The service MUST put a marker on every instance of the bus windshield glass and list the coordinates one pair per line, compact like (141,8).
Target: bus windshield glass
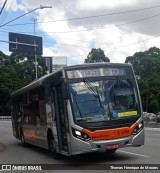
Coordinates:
(104,100)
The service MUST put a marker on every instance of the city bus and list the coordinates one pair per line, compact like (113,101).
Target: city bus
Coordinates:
(79,109)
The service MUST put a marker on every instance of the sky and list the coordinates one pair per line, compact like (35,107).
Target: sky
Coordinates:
(73,27)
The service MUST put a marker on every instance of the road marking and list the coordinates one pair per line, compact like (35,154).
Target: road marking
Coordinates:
(132,153)
(152,129)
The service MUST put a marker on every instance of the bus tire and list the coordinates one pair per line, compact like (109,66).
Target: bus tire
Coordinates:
(52,146)
(23,139)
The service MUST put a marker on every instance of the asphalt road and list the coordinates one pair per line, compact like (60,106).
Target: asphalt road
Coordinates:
(12,152)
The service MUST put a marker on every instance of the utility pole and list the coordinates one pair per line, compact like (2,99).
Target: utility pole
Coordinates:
(36,62)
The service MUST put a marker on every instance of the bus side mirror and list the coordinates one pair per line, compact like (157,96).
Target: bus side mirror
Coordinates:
(65,92)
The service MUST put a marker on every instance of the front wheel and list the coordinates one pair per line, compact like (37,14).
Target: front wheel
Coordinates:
(23,139)
(52,147)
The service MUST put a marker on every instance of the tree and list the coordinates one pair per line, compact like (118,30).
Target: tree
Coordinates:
(25,67)
(96,55)
(146,65)
(16,71)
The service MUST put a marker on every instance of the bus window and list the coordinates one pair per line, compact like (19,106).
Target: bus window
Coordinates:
(103,100)
(88,101)
(34,106)
(123,94)
(50,103)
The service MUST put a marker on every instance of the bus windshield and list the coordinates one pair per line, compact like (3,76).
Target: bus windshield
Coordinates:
(104,100)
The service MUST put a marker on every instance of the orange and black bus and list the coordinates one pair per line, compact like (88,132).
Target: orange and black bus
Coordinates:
(79,109)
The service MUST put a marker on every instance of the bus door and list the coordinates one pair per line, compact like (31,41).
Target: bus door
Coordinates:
(61,118)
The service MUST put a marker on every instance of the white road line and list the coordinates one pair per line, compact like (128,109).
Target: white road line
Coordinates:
(132,153)
(152,129)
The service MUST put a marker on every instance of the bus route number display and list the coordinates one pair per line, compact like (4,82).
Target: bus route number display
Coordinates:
(83,73)
(89,73)
(95,72)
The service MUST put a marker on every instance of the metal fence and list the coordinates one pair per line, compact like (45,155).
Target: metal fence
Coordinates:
(5,118)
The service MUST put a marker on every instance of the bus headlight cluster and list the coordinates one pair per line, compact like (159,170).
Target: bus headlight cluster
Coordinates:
(138,128)
(80,135)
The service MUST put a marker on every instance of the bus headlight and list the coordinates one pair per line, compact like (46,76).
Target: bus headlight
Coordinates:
(80,135)
(138,128)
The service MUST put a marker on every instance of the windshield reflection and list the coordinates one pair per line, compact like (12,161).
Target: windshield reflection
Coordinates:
(103,100)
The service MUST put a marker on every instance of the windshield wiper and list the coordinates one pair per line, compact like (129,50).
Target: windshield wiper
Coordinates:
(91,88)
(75,95)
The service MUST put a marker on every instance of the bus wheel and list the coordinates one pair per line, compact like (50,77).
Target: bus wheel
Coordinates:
(52,147)
(111,151)
(23,139)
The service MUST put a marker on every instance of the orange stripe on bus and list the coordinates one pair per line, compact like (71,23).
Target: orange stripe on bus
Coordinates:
(29,134)
(110,133)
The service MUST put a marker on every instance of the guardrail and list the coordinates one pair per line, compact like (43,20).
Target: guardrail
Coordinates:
(5,118)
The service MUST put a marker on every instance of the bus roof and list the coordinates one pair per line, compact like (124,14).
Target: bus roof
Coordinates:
(101,64)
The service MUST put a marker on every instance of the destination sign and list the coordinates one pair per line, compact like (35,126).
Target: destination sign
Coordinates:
(95,72)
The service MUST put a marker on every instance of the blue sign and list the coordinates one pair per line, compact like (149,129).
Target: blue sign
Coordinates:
(114,114)
(23,43)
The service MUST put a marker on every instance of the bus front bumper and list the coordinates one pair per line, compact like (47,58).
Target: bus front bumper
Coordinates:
(79,146)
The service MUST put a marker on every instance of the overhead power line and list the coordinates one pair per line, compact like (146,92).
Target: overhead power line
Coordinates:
(9,4)
(105,27)
(98,42)
(110,50)
(3,6)
(94,16)
(127,23)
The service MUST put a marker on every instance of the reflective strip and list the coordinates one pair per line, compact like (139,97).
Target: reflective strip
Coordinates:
(126,114)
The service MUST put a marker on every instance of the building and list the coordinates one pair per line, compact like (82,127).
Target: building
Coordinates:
(55,63)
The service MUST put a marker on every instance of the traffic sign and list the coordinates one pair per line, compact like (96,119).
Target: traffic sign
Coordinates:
(23,43)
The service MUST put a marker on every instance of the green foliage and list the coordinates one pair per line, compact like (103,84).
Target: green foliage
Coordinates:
(96,55)
(16,71)
(146,65)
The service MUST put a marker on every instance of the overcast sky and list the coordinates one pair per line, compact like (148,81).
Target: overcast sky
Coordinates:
(72,27)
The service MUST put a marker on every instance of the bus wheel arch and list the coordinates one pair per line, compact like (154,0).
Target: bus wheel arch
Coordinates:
(22,137)
(52,145)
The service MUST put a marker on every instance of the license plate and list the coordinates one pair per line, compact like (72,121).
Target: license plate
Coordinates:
(112,146)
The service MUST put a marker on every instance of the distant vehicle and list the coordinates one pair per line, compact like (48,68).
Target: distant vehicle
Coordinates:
(158,117)
(149,116)
(145,116)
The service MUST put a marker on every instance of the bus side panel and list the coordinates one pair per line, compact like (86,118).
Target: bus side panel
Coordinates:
(36,135)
